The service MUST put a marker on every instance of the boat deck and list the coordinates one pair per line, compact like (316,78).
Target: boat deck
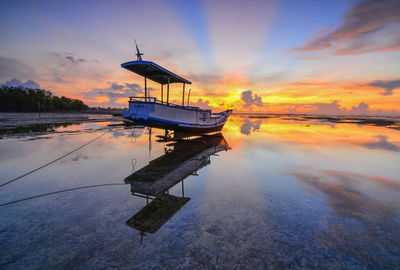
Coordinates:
(154,100)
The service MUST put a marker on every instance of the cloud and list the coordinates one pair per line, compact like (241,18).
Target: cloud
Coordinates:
(58,79)
(335,108)
(327,108)
(71,58)
(203,104)
(248,125)
(17,83)
(362,109)
(370,26)
(75,60)
(389,86)
(382,143)
(116,86)
(205,78)
(113,92)
(249,100)
(10,68)
(135,87)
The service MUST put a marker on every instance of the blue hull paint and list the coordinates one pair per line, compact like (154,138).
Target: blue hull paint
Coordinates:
(179,126)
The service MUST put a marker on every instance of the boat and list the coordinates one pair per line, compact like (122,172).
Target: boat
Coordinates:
(160,113)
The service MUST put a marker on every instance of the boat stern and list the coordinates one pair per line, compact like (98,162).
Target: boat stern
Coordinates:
(138,110)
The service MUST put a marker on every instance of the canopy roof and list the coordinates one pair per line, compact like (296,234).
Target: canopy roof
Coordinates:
(153,72)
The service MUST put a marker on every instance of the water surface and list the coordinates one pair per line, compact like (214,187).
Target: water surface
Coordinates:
(284,192)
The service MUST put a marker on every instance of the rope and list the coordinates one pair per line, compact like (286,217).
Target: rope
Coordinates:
(51,162)
(60,191)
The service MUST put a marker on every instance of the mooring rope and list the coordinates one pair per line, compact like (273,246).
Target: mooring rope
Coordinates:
(57,159)
(60,191)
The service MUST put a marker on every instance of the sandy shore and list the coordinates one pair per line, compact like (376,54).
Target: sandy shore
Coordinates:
(33,123)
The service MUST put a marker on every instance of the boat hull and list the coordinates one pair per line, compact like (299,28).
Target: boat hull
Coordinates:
(177,118)
(165,124)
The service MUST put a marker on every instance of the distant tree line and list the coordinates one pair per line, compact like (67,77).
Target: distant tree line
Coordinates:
(20,99)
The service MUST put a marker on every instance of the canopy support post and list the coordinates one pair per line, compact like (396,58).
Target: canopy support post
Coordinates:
(162,93)
(145,88)
(188,101)
(183,95)
(168,91)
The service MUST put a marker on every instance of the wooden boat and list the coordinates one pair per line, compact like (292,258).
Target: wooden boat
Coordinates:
(150,111)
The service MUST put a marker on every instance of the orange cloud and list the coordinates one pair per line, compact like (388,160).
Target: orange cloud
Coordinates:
(99,99)
(123,101)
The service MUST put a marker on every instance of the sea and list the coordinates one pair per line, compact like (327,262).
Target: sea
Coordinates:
(268,192)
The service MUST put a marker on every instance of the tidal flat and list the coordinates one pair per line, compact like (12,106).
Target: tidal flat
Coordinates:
(268,192)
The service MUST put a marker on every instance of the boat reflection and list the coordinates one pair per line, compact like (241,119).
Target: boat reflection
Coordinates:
(182,158)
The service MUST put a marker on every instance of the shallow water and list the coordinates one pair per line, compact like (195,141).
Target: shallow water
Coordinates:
(283,193)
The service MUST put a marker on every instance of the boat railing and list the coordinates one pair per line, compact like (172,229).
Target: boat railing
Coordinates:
(157,101)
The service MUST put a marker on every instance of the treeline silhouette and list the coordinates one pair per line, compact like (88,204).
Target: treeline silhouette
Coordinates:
(20,99)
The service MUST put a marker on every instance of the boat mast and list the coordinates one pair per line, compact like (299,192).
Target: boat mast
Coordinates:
(138,54)
(139,58)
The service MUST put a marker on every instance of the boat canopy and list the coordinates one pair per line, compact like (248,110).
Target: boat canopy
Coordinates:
(154,72)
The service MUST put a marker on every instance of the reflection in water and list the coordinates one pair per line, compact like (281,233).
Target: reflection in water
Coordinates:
(182,158)
(32,129)
(371,205)
(295,194)
(350,194)
(248,125)
(382,143)
(390,122)
(136,133)
(60,191)
(156,213)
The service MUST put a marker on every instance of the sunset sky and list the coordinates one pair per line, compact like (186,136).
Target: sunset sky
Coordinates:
(336,57)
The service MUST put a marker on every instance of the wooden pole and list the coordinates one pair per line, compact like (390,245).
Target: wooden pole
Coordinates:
(149,141)
(145,89)
(168,91)
(188,102)
(162,93)
(183,95)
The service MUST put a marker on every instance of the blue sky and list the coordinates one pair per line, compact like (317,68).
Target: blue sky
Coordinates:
(225,47)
